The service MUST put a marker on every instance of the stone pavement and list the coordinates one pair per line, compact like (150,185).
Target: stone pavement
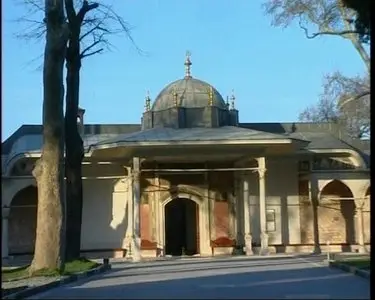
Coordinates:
(282,277)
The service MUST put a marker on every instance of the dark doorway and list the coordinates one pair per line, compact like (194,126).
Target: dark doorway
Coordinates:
(181,227)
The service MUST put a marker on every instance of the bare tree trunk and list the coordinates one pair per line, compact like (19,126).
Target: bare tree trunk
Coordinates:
(73,140)
(49,170)
(74,150)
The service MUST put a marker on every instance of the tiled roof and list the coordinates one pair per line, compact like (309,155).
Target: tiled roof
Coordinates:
(226,133)
(321,136)
(320,140)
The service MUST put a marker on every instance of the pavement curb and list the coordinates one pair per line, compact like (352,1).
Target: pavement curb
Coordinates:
(350,269)
(33,290)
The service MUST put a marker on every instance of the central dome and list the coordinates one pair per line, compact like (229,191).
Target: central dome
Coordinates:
(189,93)
(189,103)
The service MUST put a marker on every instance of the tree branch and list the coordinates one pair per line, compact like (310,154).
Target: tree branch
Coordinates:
(355,39)
(314,35)
(86,7)
(70,12)
(356,97)
(83,54)
(92,30)
(92,53)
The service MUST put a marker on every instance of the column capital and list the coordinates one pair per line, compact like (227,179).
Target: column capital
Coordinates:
(262,173)
(5,212)
(359,203)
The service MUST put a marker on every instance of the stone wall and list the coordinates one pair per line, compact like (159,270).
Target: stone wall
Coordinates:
(221,186)
(105,214)
(336,220)
(215,189)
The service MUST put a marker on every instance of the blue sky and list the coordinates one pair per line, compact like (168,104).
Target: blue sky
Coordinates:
(275,72)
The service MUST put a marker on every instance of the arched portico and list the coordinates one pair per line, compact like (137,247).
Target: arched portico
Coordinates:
(202,218)
(19,206)
(22,221)
(10,187)
(336,213)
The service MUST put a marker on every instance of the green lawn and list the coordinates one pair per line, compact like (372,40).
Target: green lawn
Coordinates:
(360,263)
(70,268)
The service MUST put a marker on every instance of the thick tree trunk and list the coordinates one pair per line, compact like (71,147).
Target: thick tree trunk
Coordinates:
(49,170)
(74,150)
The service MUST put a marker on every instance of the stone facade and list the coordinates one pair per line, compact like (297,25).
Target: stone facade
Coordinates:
(220,219)
(192,177)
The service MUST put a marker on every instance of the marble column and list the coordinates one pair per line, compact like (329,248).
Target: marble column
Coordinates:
(246,210)
(130,232)
(4,237)
(262,206)
(313,194)
(136,240)
(158,218)
(211,206)
(359,203)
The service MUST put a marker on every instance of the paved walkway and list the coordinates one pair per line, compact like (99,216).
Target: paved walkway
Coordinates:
(303,277)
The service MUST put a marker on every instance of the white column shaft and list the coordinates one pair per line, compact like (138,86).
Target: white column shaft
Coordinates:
(130,205)
(246,209)
(136,209)
(262,205)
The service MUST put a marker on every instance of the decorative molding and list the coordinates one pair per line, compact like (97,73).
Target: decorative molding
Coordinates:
(332,163)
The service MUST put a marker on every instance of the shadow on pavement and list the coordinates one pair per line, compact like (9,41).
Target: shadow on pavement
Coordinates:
(292,283)
(166,269)
(214,260)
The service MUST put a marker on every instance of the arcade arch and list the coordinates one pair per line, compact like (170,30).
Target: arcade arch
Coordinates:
(336,214)
(22,221)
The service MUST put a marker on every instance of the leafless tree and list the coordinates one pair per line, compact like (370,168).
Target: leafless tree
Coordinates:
(318,18)
(333,104)
(49,169)
(322,17)
(90,26)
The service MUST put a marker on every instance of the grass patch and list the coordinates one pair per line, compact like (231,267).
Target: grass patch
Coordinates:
(360,263)
(72,267)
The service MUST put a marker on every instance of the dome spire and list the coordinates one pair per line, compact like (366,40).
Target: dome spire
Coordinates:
(147,102)
(187,65)
(232,98)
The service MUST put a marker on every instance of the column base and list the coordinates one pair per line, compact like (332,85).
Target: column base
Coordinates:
(264,244)
(136,249)
(248,245)
(362,249)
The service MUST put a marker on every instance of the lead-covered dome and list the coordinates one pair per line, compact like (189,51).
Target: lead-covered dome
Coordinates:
(189,93)
(189,103)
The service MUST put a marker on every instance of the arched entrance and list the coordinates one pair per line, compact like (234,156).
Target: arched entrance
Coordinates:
(22,221)
(181,227)
(336,213)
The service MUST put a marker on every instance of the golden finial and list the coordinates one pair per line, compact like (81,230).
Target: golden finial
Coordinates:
(210,96)
(175,98)
(187,65)
(232,98)
(147,102)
